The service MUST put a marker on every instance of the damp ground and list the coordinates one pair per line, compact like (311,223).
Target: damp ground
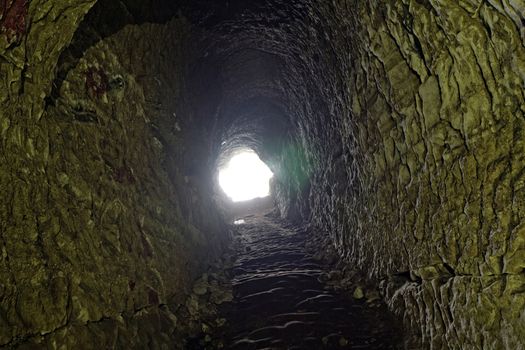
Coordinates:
(285,298)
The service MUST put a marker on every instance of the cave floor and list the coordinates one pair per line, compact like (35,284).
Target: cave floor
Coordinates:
(282,301)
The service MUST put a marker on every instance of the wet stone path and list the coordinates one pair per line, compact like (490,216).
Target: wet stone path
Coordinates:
(281,302)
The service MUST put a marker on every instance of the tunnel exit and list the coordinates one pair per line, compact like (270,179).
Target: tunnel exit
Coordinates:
(245,177)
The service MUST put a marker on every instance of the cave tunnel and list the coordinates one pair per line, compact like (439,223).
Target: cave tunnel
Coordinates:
(393,130)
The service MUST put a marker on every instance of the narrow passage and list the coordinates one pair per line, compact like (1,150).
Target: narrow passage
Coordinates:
(281,302)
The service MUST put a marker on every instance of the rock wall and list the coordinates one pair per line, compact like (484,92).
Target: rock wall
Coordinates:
(394,126)
(414,148)
(107,218)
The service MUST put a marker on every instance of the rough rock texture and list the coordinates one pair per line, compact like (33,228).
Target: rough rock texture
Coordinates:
(393,126)
(105,224)
(421,182)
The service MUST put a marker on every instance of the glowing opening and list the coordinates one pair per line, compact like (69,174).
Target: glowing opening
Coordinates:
(245,177)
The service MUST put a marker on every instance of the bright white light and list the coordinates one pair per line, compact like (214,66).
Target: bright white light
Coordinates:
(245,177)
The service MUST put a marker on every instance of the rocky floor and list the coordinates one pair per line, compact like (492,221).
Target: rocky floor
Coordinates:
(283,298)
